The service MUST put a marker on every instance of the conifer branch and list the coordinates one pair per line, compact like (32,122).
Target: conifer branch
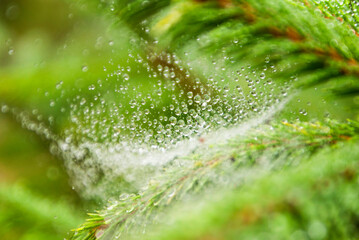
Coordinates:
(291,35)
(313,47)
(228,166)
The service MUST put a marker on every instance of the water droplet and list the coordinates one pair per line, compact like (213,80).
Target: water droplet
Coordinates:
(11,51)
(197,99)
(83,101)
(126,77)
(190,94)
(84,68)
(173,120)
(4,108)
(59,85)
(262,75)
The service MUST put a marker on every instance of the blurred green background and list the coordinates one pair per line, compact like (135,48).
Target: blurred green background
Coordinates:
(47,46)
(42,43)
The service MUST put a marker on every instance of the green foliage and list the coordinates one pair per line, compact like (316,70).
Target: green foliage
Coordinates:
(282,180)
(20,208)
(316,200)
(278,181)
(233,165)
(297,39)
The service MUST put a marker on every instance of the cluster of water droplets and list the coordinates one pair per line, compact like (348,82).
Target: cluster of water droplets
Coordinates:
(158,108)
(344,11)
(156,105)
(147,110)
